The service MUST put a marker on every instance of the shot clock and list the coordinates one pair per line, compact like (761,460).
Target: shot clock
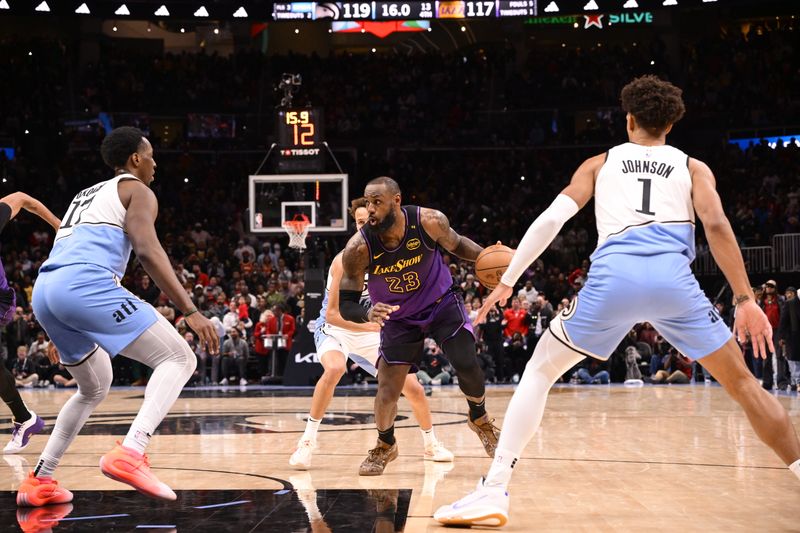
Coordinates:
(299,128)
(300,138)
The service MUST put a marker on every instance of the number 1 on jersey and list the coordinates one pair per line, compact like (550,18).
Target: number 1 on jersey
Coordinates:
(647,185)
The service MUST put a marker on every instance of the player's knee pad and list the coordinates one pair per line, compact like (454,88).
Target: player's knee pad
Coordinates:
(460,351)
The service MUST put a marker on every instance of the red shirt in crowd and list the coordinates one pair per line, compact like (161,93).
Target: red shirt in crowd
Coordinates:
(773,312)
(516,322)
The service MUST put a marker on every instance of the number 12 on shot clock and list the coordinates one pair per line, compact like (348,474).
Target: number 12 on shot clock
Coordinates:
(298,127)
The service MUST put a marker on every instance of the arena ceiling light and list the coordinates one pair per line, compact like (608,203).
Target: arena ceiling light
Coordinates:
(591,6)
(552,7)
(162,12)
(202,12)
(43,7)
(83,9)
(630,4)
(4,4)
(670,3)
(240,13)
(122,11)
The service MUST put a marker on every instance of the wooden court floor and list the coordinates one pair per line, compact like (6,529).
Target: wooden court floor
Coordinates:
(607,458)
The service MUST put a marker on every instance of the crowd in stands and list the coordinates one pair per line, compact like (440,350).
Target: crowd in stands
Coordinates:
(254,287)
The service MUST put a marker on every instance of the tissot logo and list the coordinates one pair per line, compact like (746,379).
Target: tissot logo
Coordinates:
(300,151)
(413,244)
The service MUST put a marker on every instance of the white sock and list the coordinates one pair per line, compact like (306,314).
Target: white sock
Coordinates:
(550,360)
(137,439)
(795,467)
(502,467)
(312,426)
(428,437)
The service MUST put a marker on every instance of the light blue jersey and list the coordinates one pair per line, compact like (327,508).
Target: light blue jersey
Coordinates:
(361,347)
(640,268)
(77,297)
(365,301)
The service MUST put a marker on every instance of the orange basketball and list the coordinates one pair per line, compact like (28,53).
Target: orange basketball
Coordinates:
(491,263)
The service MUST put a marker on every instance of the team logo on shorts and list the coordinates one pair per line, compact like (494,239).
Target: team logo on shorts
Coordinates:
(567,312)
(413,244)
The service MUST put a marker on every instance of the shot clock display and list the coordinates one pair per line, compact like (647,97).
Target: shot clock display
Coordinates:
(443,9)
(299,128)
(300,139)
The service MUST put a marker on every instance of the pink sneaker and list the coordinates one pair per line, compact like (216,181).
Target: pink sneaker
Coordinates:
(133,468)
(37,491)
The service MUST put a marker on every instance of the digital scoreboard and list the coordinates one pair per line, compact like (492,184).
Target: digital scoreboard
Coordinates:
(355,11)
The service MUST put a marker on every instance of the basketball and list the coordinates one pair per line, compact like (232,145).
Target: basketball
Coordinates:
(491,263)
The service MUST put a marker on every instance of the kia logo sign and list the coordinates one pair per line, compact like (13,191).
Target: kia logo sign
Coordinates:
(307,358)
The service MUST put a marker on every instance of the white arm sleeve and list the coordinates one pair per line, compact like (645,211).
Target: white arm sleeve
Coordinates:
(539,236)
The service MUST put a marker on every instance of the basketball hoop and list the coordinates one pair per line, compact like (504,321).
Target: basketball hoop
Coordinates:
(297,228)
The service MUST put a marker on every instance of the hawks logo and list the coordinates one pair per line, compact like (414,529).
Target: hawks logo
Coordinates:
(413,244)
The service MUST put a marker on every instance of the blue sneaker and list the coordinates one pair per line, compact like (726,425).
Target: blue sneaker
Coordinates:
(21,436)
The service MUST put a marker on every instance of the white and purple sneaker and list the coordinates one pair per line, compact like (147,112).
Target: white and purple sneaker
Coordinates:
(21,436)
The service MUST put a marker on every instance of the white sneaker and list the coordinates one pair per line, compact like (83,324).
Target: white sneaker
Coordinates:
(515,378)
(224,382)
(21,436)
(438,453)
(487,506)
(301,458)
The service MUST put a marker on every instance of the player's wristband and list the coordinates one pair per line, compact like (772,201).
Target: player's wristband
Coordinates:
(192,311)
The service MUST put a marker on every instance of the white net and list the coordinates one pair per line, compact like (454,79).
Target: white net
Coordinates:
(298,231)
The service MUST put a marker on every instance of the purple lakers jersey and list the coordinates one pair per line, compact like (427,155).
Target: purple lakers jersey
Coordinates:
(413,275)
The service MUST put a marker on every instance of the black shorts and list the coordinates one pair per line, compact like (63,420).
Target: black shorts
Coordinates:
(402,341)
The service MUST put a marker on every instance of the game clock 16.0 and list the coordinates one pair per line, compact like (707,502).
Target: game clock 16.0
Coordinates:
(299,128)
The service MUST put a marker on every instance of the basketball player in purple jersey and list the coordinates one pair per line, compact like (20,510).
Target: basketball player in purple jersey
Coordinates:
(26,422)
(413,297)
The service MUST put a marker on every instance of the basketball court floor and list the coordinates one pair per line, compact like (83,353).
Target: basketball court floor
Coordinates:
(607,458)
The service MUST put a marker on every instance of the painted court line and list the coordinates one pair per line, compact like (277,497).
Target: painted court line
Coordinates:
(240,502)
(97,517)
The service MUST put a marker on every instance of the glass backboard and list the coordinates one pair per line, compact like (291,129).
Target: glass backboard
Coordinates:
(276,198)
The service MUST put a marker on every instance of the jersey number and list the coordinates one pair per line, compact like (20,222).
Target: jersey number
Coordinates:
(647,186)
(396,285)
(77,207)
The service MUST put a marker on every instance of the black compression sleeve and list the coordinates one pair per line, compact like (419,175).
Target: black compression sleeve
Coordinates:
(5,215)
(350,306)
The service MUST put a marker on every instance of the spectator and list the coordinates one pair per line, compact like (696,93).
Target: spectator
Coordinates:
(592,371)
(491,332)
(789,332)
(434,368)
(234,352)
(775,367)
(24,369)
(529,292)
(147,291)
(675,368)
(232,317)
(38,347)
(515,320)
(282,327)
(199,375)
(260,346)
